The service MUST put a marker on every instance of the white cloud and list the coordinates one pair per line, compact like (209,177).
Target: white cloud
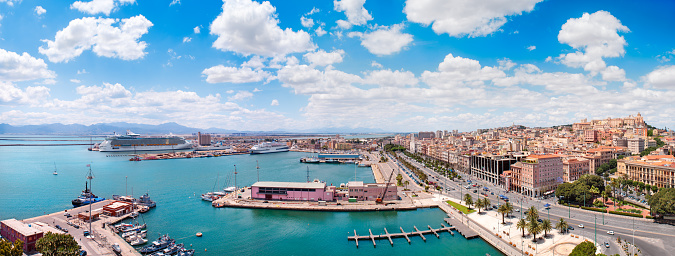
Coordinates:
(506,64)
(39,10)
(356,13)
(375,64)
(197,29)
(241,95)
(248,27)
(388,78)
(81,71)
(10,2)
(532,47)
(319,31)
(187,39)
(257,90)
(15,67)
(461,69)
(256,62)
(459,18)
(99,6)
(174,2)
(222,74)
(32,95)
(385,40)
(594,36)
(613,73)
(101,36)
(313,11)
(274,103)
(323,58)
(662,77)
(306,22)
(75,81)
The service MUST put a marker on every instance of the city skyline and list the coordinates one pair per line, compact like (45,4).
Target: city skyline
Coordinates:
(402,66)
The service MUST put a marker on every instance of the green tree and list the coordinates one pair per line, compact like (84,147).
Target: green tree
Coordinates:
(546,226)
(479,204)
(534,228)
(509,208)
(522,225)
(57,245)
(399,177)
(468,200)
(584,249)
(503,210)
(532,214)
(11,249)
(406,184)
(486,203)
(663,202)
(562,226)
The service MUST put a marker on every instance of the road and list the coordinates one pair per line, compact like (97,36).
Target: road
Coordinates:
(652,238)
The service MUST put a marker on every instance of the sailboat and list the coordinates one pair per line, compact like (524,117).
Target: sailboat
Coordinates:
(210,196)
(55,173)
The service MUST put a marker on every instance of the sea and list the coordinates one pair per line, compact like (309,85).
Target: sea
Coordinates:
(28,188)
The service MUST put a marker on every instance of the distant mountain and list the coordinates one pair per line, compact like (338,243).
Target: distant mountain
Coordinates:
(147,129)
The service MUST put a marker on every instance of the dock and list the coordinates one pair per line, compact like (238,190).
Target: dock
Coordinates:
(464,230)
(404,234)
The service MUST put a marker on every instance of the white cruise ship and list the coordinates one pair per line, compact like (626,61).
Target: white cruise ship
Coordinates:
(134,142)
(269,147)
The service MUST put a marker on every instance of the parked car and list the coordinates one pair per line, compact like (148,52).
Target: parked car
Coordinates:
(607,244)
(581,225)
(610,232)
(570,228)
(517,210)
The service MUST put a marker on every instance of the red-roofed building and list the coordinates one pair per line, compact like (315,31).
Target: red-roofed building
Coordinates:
(13,229)
(537,175)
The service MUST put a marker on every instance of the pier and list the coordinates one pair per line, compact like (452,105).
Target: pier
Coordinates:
(464,230)
(404,234)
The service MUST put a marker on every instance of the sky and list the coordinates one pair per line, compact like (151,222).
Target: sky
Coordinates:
(389,65)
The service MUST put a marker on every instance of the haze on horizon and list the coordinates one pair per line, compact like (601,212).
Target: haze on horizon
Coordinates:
(287,65)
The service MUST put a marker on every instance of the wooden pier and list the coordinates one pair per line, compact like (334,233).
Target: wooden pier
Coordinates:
(404,234)
(467,232)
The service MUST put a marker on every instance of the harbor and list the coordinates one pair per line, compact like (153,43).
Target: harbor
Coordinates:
(181,213)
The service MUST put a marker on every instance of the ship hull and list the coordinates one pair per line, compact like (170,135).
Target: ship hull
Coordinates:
(267,151)
(144,148)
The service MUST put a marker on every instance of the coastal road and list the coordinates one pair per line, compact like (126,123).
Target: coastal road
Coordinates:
(652,238)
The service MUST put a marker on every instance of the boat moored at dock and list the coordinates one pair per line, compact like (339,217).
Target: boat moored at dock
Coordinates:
(134,142)
(86,197)
(269,147)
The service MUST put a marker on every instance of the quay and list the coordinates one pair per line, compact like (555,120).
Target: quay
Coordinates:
(102,235)
(184,155)
(464,230)
(404,234)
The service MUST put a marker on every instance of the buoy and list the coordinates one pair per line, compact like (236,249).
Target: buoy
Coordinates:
(199,234)
(204,249)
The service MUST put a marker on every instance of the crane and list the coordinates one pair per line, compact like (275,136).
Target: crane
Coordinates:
(380,199)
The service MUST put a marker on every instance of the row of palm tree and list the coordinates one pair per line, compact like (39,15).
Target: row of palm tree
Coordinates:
(532,224)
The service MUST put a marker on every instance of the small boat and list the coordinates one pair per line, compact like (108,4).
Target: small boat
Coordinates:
(210,196)
(138,241)
(229,189)
(145,201)
(159,244)
(134,214)
(133,233)
(55,173)
(143,209)
(134,228)
(186,252)
(199,234)
(86,197)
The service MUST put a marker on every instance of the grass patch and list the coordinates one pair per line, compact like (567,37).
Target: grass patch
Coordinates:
(630,210)
(626,214)
(460,207)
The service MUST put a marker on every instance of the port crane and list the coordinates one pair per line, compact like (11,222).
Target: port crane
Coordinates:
(380,199)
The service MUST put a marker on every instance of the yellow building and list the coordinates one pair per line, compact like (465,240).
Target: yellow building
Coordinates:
(653,170)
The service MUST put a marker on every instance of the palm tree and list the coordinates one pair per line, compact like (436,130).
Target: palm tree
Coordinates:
(534,228)
(532,214)
(605,194)
(594,191)
(503,210)
(486,203)
(546,226)
(562,226)
(406,184)
(521,225)
(467,200)
(509,207)
(479,204)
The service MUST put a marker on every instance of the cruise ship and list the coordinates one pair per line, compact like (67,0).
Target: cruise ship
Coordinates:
(134,142)
(269,147)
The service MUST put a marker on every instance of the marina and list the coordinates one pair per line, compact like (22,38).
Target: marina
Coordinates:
(404,234)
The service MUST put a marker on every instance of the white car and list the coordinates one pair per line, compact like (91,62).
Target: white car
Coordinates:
(517,210)
(581,225)
(610,232)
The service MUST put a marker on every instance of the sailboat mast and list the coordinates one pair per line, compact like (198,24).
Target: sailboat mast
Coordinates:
(235,177)
(258,169)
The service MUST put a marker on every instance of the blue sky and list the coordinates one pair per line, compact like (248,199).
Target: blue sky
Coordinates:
(294,65)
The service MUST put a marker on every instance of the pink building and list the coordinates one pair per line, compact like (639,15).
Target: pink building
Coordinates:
(371,191)
(591,135)
(573,168)
(292,191)
(537,175)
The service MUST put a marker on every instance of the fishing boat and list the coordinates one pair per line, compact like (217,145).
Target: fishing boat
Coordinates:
(117,249)
(159,244)
(186,252)
(138,241)
(145,201)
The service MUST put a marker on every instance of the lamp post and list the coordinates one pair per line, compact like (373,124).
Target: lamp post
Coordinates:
(595,226)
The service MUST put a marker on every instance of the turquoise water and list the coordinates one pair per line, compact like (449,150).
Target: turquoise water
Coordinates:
(28,189)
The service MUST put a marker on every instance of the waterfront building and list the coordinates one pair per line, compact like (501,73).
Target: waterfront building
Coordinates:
(292,191)
(13,230)
(118,208)
(537,175)
(371,191)
(490,167)
(339,157)
(655,170)
(203,139)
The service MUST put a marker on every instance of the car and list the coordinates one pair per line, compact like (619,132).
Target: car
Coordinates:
(67,214)
(610,232)
(539,220)
(570,228)
(83,253)
(475,191)
(607,244)
(581,225)
(492,193)
(517,210)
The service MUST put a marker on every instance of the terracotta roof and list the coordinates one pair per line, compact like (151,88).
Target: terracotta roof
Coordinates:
(543,156)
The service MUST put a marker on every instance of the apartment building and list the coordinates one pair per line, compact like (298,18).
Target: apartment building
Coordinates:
(656,170)
(536,175)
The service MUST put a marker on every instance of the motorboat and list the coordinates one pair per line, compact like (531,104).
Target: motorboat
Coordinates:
(159,244)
